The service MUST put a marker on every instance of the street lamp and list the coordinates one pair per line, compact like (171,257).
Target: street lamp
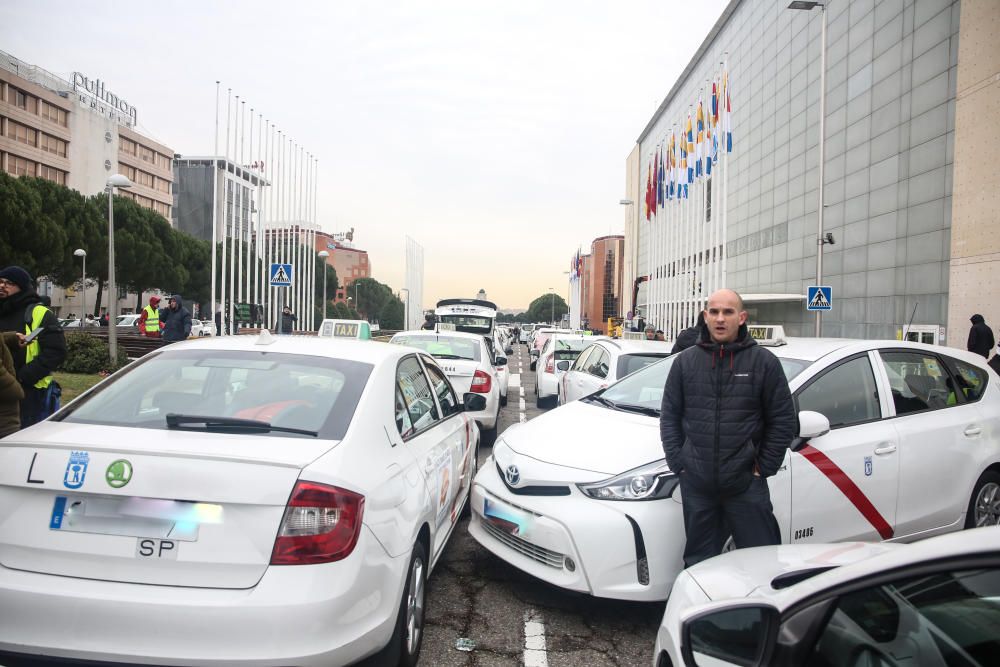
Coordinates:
(324,254)
(820,238)
(80,252)
(406,308)
(114,181)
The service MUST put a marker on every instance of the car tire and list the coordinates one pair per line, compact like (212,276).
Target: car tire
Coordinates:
(467,508)
(544,402)
(984,505)
(400,651)
(503,401)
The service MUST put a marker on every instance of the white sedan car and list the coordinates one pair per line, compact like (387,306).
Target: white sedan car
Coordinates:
(466,359)
(260,500)
(605,362)
(934,604)
(558,352)
(581,496)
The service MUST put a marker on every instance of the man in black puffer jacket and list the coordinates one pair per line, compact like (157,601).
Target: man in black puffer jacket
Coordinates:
(726,420)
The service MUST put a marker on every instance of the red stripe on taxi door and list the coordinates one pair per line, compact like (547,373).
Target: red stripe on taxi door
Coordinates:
(848,488)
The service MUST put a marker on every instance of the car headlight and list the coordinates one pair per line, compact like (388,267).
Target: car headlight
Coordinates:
(652,481)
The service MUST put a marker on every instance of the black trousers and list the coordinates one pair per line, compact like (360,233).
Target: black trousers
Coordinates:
(709,519)
(31,406)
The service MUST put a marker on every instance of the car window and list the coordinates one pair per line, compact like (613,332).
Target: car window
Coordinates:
(403,423)
(630,363)
(443,347)
(568,349)
(581,362)
(598,364)
(297,391)
(948,619)
(412,383)
(443,391)
(844,394)
(793,367)
(643,388)
(918,382)
(971,379)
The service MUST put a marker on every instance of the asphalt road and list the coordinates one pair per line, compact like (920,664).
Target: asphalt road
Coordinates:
(512,618)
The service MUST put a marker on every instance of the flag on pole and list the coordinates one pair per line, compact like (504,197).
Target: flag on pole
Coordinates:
(727,120)
(689,151)
(649,183)
(699,139)
(656,182)
(661,178)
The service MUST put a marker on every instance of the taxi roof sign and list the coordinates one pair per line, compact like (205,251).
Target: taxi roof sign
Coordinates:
(445,326)
(767,334)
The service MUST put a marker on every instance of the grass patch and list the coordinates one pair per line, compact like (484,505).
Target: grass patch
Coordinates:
(74,384)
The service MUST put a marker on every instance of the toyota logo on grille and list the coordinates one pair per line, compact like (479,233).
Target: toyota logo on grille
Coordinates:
(513,475)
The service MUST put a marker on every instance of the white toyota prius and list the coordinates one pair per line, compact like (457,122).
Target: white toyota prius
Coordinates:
(898,441)
(237,500)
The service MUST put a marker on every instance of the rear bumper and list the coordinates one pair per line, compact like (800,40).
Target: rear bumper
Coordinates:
(334,613)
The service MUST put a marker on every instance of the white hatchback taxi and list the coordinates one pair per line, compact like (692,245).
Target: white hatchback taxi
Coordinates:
(935,603)
(605,362)
(470,365)
(260,500)
(559,351)
(898,441)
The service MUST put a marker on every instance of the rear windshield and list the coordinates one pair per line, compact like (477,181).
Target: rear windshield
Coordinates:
(442,347)
(570,348)
(469,323)
(630,363)
(295,391)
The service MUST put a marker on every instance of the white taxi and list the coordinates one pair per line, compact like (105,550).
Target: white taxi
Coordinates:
(467,360)
(582,498)
(932,604)
(605,362)
(559,351)
(235,500)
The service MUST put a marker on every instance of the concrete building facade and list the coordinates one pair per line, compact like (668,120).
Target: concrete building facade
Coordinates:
(892,81)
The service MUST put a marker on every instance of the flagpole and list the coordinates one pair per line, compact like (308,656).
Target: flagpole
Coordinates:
(727,129)
(226,225)
(215,212)
(251,227)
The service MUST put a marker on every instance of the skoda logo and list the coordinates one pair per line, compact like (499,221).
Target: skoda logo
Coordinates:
(513,475)
(119,474)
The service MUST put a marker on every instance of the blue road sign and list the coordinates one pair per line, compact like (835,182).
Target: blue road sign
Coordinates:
(820,297)
(281,275)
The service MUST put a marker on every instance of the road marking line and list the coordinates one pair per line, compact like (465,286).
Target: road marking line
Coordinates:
(520,404)
(534,640)
(514,381)
(522,392)
(521,418)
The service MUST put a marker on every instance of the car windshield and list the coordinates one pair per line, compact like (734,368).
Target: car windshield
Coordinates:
(793,367)
(630,363)
(442,347)
(642,389)
(317,394)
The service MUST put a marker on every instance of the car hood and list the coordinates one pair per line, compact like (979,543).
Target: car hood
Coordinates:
(588,437)
(745,572)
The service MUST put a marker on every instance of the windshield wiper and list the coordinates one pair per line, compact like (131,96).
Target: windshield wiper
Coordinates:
(447,356)
(601,400)
(229,424)
(640,409)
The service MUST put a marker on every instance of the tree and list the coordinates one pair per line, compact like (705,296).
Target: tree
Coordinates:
(391,315)
(547,308)
(371,296)
(29,235)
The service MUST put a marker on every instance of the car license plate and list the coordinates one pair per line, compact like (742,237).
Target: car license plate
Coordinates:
(156,549)
(508,519)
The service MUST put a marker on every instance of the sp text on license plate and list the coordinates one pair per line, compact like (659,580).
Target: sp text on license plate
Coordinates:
(152,548)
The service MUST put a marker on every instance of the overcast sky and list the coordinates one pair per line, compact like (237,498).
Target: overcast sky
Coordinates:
(495,134)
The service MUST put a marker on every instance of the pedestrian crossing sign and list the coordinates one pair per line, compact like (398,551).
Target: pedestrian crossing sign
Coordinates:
(820,297)
(281,275)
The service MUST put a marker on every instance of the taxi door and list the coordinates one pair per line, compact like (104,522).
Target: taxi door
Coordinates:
(434,442)
(845,483)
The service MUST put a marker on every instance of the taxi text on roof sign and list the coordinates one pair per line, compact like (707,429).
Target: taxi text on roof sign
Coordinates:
(767,334)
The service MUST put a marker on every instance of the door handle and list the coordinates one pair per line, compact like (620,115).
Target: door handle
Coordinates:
(973,431)
(888,449)
(784,466)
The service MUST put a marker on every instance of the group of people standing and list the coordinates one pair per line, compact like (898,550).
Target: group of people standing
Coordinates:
(33,347)
(172,323)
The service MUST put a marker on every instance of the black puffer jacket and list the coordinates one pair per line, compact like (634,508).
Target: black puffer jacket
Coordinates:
(980,336)
(51,341)
(726,408)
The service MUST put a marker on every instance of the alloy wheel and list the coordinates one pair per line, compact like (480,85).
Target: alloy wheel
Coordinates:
(987,512)
(415,606)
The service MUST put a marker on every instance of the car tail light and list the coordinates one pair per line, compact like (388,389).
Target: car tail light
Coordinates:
(321,525)
(481,383)
(550,365)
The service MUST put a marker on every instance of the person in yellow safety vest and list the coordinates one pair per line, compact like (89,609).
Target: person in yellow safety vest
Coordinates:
(149,321)
(22,311)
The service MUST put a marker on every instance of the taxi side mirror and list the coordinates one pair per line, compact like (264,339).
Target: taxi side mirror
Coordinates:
(501,361)
(509,350)
(473,402)
(811,425)
(563,365)
(741,634)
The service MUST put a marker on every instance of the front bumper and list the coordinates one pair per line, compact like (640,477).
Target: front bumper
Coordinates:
(582,544)
(334,613)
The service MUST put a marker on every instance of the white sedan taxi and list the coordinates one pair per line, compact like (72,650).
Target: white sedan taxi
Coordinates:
(581,496)
(605,362)
(469,364)
(935,603)
(559,351)
(237,500)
